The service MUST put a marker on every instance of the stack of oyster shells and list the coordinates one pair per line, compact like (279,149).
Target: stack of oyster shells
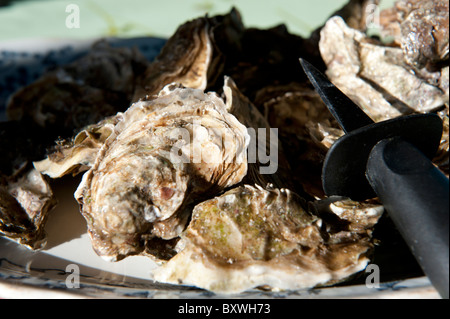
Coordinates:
(181,169)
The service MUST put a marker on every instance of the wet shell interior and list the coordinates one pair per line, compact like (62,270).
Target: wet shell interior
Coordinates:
(173,168)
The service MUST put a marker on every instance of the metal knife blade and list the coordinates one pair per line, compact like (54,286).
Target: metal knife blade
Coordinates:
(344,110)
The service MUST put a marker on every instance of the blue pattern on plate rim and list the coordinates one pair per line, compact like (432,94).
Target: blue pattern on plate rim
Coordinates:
(97,287)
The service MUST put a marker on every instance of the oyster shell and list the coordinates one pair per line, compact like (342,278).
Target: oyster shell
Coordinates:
(358,66)
(267,163)
(184,59)
(25,195)
(97,85)
(191,56)
(162,156)
(251,237)
(420,28)
(25,203)
(143,180)
(60,102)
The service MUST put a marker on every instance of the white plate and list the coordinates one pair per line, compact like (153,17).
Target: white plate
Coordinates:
(47,273)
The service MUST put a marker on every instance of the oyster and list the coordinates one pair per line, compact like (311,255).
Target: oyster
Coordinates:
(184,59)
(267,163)
(188,58)
(161,157)
(358,66)
(60,102)
(25,195)
(420,28)
(25,202)
(180,146)
(251,237)
(306,129)
(66,99)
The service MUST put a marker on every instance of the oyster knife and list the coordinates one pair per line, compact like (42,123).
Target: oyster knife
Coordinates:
(391,160)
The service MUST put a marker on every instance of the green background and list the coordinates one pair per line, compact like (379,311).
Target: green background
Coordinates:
(159,18)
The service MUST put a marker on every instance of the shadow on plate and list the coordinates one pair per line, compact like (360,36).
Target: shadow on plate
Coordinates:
(65,222)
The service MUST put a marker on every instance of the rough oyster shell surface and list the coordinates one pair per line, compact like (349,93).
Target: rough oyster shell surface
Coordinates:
(184,59)
(251,237)
(420,28)
(146,175)
(26,197)
(25,202)
(81,93)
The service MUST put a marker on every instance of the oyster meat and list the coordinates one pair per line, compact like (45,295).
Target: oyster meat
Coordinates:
(252,237)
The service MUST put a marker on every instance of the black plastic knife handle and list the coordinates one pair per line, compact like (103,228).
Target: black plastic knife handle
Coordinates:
(415,194)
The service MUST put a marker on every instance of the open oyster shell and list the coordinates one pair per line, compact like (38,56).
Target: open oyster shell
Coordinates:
(251,237)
